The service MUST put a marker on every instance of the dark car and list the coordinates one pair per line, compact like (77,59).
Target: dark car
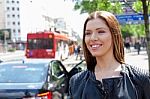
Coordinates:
(35,79)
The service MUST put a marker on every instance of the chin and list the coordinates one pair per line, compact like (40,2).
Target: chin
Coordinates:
(96,54)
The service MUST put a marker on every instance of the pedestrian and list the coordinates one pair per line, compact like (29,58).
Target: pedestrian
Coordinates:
(107,75)
(78,51)
(138,47)
(75,49)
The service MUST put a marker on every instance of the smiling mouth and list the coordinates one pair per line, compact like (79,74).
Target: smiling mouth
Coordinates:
(96,45)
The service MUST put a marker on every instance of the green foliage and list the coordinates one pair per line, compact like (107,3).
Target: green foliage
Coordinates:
(88,6)
(11,50)
(133,30)
(137,6)
(1,35)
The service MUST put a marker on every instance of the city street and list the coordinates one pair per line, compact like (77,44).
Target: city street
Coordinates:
(131,58)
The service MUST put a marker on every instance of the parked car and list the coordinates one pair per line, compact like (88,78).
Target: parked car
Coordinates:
(36,79)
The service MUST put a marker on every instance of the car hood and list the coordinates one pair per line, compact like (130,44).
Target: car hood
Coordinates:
(13,91)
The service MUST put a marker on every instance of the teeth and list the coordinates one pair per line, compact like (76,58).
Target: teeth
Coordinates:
(95,46)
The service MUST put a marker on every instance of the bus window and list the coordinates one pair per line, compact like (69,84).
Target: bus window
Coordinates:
(48,43)
(39,44)
(32,43)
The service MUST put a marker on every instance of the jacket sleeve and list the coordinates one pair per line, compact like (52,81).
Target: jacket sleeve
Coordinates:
(70,88)
(75,83)
(146,88)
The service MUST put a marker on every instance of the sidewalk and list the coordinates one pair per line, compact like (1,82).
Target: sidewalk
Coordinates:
(18,54)
(9,53)
(140,60)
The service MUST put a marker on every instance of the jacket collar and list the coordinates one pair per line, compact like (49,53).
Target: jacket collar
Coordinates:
(91,74)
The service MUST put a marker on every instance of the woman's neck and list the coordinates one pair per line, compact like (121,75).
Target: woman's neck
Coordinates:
(107,63)
(107,69)
(110,66)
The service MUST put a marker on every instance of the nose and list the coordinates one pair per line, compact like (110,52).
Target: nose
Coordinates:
(94,36)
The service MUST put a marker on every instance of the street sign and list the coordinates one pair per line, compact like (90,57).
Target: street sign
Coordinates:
(131,19)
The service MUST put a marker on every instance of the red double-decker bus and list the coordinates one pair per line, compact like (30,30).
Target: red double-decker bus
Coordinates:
(47,45)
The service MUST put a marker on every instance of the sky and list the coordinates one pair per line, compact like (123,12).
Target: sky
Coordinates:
(59,8)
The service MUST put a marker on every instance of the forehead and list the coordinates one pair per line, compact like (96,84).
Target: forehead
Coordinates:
(96,23)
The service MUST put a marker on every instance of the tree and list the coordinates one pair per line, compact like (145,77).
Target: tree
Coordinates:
(136,30)
(88,6)
(145,4)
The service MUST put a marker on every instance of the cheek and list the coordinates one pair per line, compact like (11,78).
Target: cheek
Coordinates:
(86,40)
(109,41)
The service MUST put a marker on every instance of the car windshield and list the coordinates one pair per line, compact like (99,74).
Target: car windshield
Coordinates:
(26,73)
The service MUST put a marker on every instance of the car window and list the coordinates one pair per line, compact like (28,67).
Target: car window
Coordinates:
(57,70)
(22,73)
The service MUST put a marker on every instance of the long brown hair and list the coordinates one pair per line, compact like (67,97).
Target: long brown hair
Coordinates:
(118,45)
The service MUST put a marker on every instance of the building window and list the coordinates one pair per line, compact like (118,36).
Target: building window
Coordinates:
(18,30)
(13,8)
(13,23)
(18,9)
(18,15)
(13,15)
(18,23)
(17,1)
(13,1)
(14,31)
(8,8)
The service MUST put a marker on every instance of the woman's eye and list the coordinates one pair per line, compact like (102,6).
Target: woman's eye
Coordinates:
(87,33)
(101,31)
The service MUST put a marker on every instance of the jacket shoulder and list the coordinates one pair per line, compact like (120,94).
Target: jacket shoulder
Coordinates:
(79,76)
(141,78)
(137,71)
(138,74)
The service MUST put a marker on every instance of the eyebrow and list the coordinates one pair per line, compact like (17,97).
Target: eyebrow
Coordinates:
(97,29)
(100,28)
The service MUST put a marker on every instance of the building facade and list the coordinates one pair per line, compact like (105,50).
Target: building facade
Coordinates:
(10,18)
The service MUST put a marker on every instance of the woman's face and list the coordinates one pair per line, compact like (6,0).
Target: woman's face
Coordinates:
(98,37)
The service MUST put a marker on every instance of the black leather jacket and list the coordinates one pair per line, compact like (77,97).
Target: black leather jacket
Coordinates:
(134,84)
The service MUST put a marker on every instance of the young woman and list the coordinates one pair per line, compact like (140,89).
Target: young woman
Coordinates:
(107,75)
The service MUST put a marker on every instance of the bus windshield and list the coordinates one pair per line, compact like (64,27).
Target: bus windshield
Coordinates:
(44,43)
